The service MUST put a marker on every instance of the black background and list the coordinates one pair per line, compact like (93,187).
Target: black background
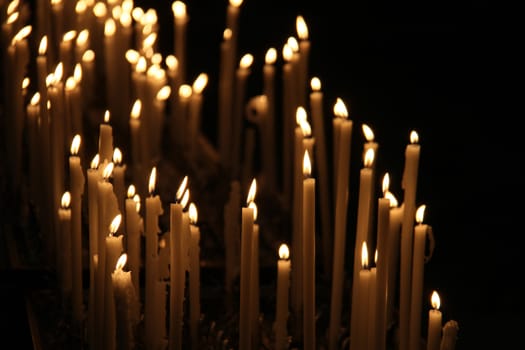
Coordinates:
(401,66)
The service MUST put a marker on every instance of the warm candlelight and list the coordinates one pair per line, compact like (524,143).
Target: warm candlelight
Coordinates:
(359,324)
(63,249)
(281,307)
(194,276)
(304,53)
(119,174)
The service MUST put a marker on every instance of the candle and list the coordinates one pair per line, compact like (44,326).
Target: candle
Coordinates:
(372,308)
(321,165)
(309,329)
(195,111)
(176,268)
(434,323)
(287,129)
(33,120)
(181,21)
(66,51)
(119,173)
(418,260)
(281,309)
(241,76)
(64,262)
(113,251)
(341,208)
(269,123)
(409,184)
(247,222)
(94,176)
(359,307)
(254,280)
(225,94)
(77,180)
(126,301)
(157,118)
(450,334)
(153,211)
(134,130)
(336,125)
(304,50)
(194,292)
(74,102)
(370,144)
(185,93)
(88,77)
(394,230)
(133,231)
(383,222)
(105,140)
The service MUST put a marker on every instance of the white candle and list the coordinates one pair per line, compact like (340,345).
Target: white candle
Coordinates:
(434,323)
(153,211)
(359,324)
(133,233)
(64,262)
(94,176)
(195,110)
(287,127)
(105,141)
(34,151)
(194,292)
(340,224)
(181,20)
(225,95)
(409,184)
(372,308)
(304,51)
(113,251)
(77,180)
(450,334)
(321,165)
(119,179)
(309,329)
(269,123)
(134,130)
(418,260)
(88,77)
(126,301)
(247,222)
(176,269)
(394,230)
(281,309)
(254,280)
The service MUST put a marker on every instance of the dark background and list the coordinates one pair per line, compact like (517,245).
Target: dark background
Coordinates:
(399,66)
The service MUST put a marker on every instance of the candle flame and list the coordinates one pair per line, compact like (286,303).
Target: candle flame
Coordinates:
(56,2)
(414,137)
(292,42)
(172,62)
(69,35)
(13,6)
(42,47)
(271,56)
(253,206)
(246,61)
(227,34)
(12,17)
(340,110)
(300,115)
(163,93)
(107,116)
(50,79)
(284,252)
(35,100)
(121,262)
(307,164)
(132,56)
(156,59)
(115,224)
(82,37)
(386,183)
(302,29)
(65,201)
(185,198)
(236,3)
(141,65)
(100,10)
(95,161)
(149,40)
(59,71)
(315,83)
(117,156)
(393,200)
(192,212)
(108,171)
(185,91)
(136,199)
(109,27)
(127,6)
(77,73)
(71,83)
(75,144)
(364,256)
(420,213)
(435,300)
(179,9)
(306,128)
(22,34)
(116,12)
(200,83)
(251,192)
(88,56)
(131,191)
(135,109)
(80,7)
(137,13)
(181,189)
(369,157)
(25,83)
(367,131)
(287,52)
(152,180)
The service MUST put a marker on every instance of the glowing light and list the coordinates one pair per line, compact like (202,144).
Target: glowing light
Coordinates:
(246,61)
(386,183)
(109,27)
(185,91)
(364,256)
(35,100)
(369,157)
(136,109)
(292,42)
(420,213)
(302,29)
(100,10)
(136,199)
(181,189)
(414,137)
(393,200)
(75,144)
(172,62)
(42,47)
(152,180)
(117,156)
(88,56)
(107,116)
(131,191)
(59,71)
(82,37)
(284,252)
(94,162)
(340,110)
(71,84)
(132,56)
(287,52)
(253,206)
(271,56)
(22,34)
(200,83)
(300,115)
(236,3)
(367,131)
(307,164)
(108,171)
(179,9)
(227,34)
(193,214)
(163,93)
(185,198)
(69,35)
(252,191)
(65,201)
(121,262)
(315,83)
(115,224)
(435,300)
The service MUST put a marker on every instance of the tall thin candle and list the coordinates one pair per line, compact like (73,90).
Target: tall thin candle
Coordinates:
(194,292)
(434,323)
(281,309)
